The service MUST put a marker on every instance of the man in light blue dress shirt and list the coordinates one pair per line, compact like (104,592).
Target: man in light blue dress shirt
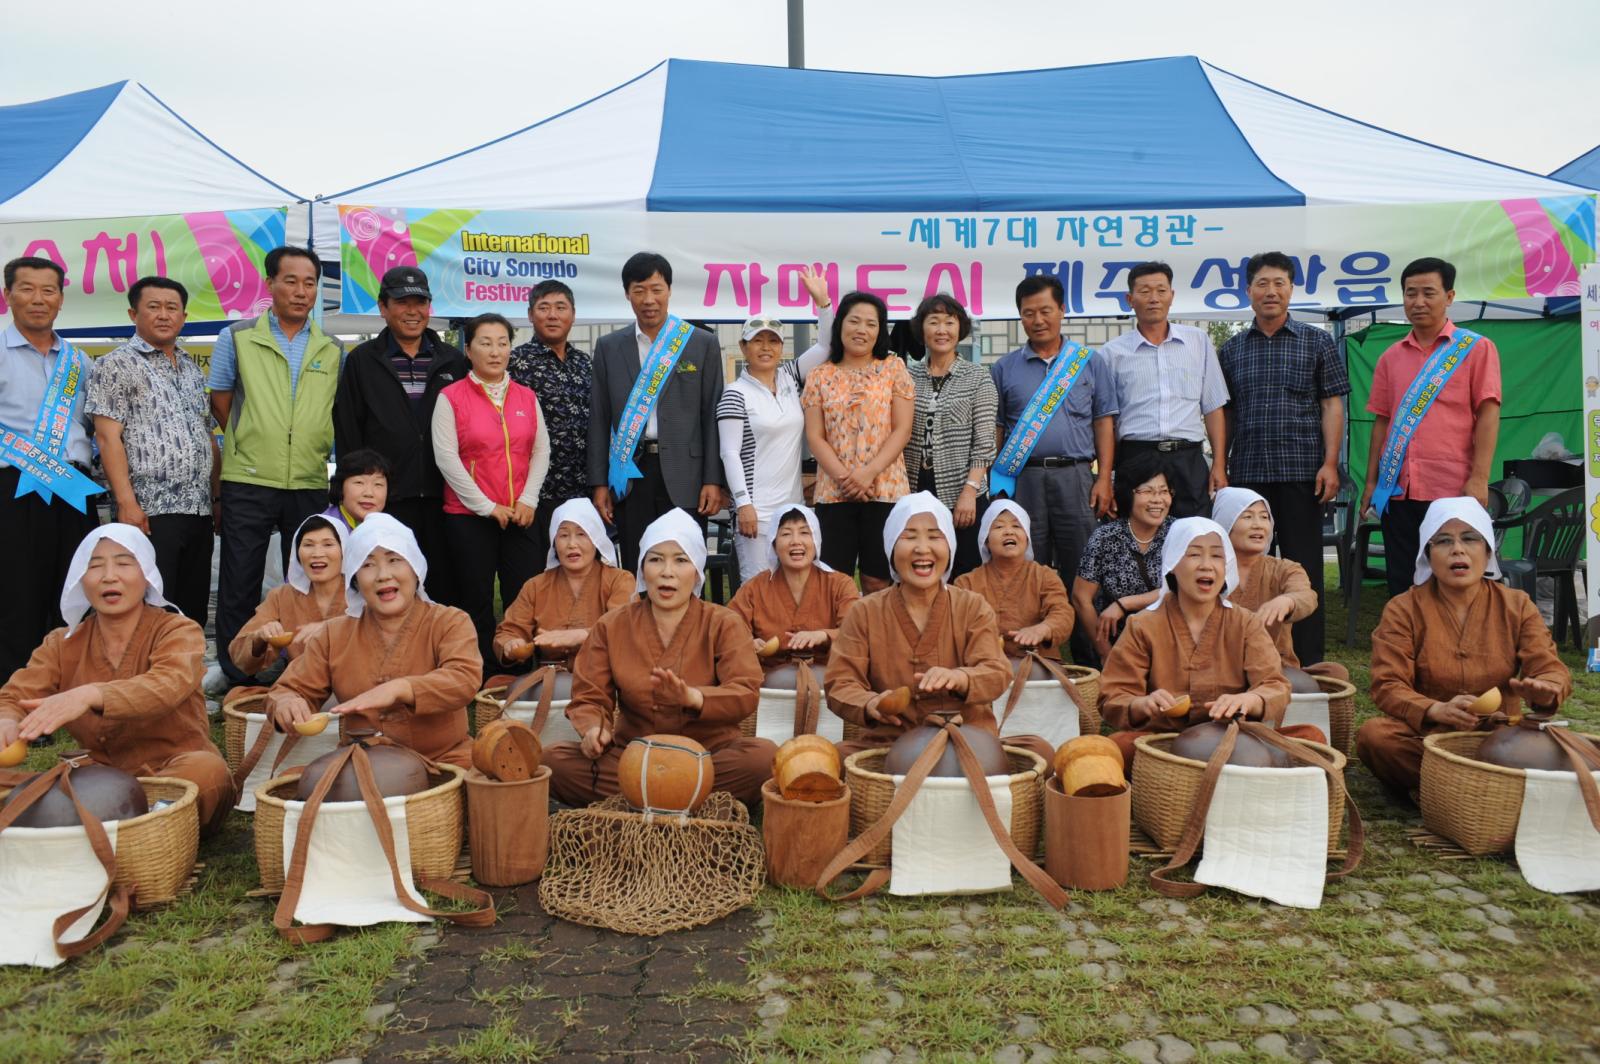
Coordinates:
(1170,393)
(37,538)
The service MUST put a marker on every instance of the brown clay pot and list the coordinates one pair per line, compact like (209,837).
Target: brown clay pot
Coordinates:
(1036,671)
(906,749)
(1301,682)
(398,772)
(560,688)
(1086,838)
(1511,747)
(1090,766)
(673,765)
(1200,741)
(802,837)
(107,793)
(783,677)
(807,769)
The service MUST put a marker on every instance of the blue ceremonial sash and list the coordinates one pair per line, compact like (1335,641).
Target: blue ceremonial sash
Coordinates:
(41,460)
(1052,392)
(1414,406)
(657,366)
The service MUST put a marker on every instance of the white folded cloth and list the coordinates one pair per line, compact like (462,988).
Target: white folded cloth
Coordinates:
(1043,709)
(775,717)
(557,728)
(347,879)
(942,845)
(1310,709)
(44,873)
(1558,849)
(1267,834)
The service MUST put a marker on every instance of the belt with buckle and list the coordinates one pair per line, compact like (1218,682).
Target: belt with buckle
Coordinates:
(650,447)
(1054,462)
(1164,446)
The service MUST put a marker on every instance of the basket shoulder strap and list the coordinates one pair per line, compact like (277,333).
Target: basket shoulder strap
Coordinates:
(1037,877)
(863,844)
(1585,759)
(544,676)
(1195,828)
(807,698)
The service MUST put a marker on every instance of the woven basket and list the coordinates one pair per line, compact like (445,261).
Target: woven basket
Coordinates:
(871,791)
(1341,711)
(155,852)
(1474,804)
(435,825)
(1165,788)
(1087,681)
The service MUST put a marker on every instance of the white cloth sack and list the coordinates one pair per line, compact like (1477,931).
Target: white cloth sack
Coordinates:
(1267,834)
(347,879)
(1310,709)
(45,872)
(942,845)
(1043,709)
(307,749)
(557,728)
(1558,849)
(775,717)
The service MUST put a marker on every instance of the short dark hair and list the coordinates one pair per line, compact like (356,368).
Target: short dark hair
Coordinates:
(1148,269)
(470,329)
(316,524)
(1137,468)
(1445,270)
(276,256)
(33,262)
(1041,282)
(362,462)
(791,514)
(553,288)
(880,346)
(940,303)
(137,290)
(641,264)
(1268,260)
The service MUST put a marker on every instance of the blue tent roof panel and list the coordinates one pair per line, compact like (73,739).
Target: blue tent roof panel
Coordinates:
(38,135)
(1584,170)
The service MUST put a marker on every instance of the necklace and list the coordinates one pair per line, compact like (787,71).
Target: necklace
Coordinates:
(1142,542)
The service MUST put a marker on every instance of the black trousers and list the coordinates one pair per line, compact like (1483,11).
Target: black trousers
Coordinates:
(183,544)
(250,514)
(967,557)
(483,551)
(425,518)
(1402,537)
(647,499)
(1297,522)
(1187,473)
(37,539)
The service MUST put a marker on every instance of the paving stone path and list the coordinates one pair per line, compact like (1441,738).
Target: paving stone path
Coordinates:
(583,993)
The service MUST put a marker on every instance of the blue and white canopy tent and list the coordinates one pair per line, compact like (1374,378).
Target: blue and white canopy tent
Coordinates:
(119,152)
(1584,170)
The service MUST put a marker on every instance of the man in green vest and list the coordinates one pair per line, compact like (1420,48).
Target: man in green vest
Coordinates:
(273,380)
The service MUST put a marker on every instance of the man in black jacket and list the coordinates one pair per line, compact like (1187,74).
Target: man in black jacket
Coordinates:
(385,402)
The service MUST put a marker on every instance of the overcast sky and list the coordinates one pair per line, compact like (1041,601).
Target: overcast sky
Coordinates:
(323,96)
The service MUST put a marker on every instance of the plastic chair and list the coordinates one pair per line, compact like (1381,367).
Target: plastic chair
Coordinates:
(1360,554)
(1552,537)
(1508,500)
(1336,526)
(722,564)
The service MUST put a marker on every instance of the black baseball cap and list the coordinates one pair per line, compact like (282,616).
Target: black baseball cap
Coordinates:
(404,281)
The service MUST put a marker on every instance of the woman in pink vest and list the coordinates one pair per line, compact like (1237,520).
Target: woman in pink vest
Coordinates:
(490,443)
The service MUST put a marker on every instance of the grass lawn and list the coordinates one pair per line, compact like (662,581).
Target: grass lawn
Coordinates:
(1414,958)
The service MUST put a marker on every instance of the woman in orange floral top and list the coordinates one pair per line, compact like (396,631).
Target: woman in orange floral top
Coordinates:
(859,408)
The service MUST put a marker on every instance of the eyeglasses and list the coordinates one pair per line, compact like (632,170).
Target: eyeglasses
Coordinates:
(765,323)
(1466,539)
(1152,493)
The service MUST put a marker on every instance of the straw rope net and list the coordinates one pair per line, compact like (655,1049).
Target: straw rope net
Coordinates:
(640,874)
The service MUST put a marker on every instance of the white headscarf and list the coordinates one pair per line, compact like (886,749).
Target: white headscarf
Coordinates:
(1231,503)
(1183,532)
(582,513)
(675,526)
(375,531)
(1462,508)
(75,602)
(996,508)
(297,574)
(816,535)
(921,502)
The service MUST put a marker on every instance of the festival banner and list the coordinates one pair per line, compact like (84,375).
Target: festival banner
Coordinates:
(219,256)
(734,266)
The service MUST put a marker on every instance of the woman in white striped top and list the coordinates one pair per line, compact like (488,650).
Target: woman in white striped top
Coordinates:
(762,427)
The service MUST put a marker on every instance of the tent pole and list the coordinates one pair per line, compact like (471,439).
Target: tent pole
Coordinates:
(797,34)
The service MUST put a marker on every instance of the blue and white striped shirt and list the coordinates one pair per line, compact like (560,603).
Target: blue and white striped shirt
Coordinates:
(1165,391)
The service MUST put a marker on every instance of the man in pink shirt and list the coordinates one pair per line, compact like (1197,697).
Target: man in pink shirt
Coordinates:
(1453,445)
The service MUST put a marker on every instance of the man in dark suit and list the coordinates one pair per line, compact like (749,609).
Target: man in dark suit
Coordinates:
(677,453)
